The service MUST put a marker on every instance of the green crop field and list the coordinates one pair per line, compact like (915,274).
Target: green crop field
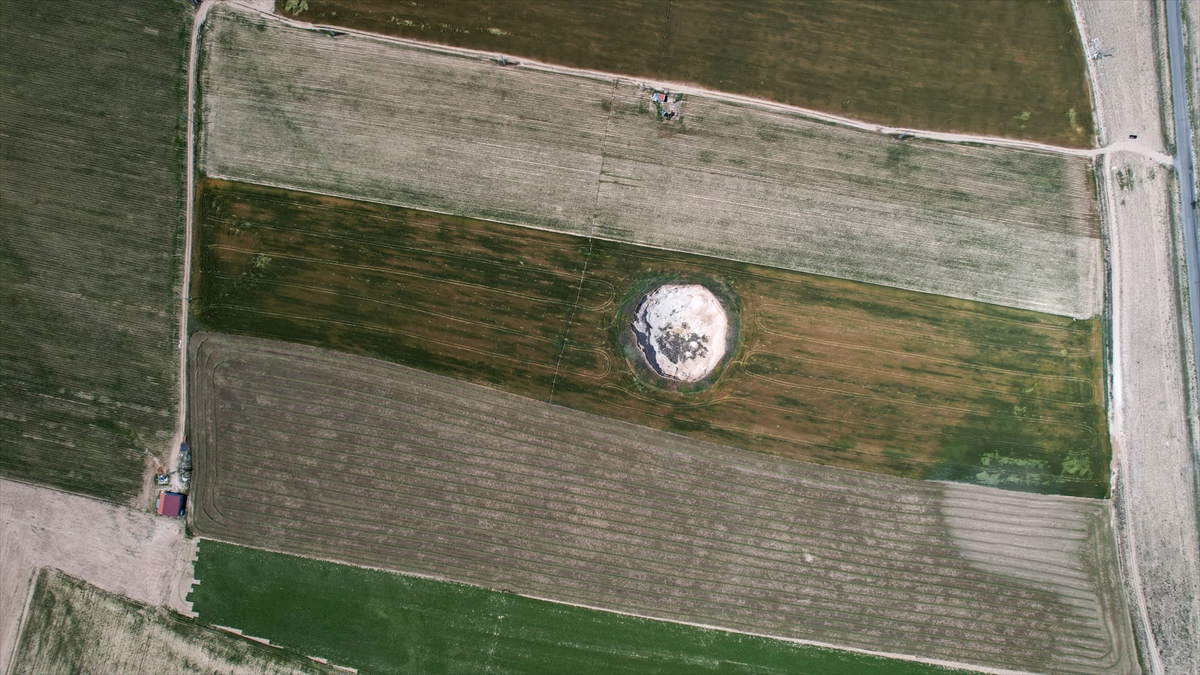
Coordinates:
(90,224)
(987,67)
(379,622)
(824,370)
(73,627)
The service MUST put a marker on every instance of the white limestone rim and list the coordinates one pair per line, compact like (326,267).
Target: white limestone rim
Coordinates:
(636,357)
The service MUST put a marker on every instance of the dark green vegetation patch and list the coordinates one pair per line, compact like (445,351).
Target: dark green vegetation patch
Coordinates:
(825,370)
(379,622)
(91,219)
(990,67)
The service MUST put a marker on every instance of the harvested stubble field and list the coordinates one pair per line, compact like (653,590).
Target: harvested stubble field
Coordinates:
(92,214)
(410,126)
(826,370)
(324,454)
(972,67)
(433,626)
(74,627)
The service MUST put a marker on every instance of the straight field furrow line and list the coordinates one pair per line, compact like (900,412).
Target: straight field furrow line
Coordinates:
(390,271)
(524,334)
(908,377)
(923,333)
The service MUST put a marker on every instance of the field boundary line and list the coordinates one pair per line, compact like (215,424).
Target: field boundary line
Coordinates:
(656,247)
(591,238)
(813,643)
(690,89)
(188,230)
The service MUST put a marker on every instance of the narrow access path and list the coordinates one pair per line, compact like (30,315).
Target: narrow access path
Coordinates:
(189,208)
(1187,175)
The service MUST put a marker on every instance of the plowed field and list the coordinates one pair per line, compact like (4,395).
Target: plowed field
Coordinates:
(91,212)
(825,370)
(335,456)
(414,127)
(973,66)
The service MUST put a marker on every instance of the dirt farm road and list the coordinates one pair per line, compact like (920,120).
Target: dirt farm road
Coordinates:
(1186,169)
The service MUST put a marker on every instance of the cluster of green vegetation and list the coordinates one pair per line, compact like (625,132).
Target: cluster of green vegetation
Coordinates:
(823,370)
(91,223)
(380,622)
(987,67)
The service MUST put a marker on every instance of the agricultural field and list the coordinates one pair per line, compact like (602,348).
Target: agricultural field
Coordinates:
(135,554)
(345,458)
(379,622)
(414,127)
(74,627)
(824,370)
(92,217)
(974,67)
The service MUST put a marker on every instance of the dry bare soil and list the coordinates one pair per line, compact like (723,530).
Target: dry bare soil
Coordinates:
(92,214)
(1152,400)
(130,553)
(970,67)
(824,369)
(410,126)
(340,457)
(74,627)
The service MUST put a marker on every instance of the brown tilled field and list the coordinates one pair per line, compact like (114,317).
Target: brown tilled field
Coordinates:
(825,370)
(336,456)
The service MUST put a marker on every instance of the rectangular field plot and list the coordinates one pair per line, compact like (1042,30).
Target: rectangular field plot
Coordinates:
(323,454)
(927,65)
(91,214)
(924,65)
(367,119)
(433,626)
(824,370)
(74,627)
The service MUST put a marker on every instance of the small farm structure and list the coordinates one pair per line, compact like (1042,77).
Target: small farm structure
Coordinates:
(171,504)
(669,105)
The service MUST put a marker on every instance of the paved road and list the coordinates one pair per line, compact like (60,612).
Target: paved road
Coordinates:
(1186,168)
